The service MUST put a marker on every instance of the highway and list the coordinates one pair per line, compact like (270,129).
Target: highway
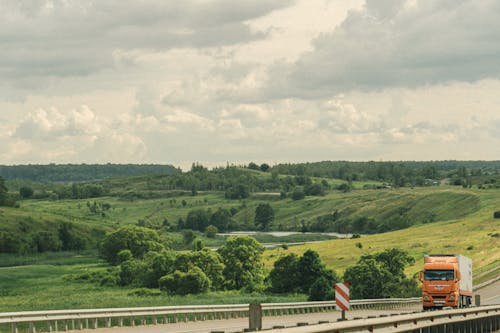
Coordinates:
(238,325)
(489,295)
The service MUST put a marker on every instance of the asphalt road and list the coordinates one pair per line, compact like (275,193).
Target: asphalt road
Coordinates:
(490,294)
(237,325)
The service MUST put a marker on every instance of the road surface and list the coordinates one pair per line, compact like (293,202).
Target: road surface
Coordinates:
(490,294)
(237,325)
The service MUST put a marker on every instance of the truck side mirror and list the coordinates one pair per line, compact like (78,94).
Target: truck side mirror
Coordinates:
(421,276)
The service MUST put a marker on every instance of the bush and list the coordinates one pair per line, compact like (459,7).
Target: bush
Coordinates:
(44,241)
(496,215)
(138,240)
(298,194)
(180,283)
(26,192)
(132,272)
(211,231)
(321,290)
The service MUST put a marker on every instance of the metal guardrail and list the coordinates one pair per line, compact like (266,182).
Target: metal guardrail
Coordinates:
(55,320)
(271,309)
(471,320)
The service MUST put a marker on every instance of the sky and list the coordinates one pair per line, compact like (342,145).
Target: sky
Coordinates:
(224,81)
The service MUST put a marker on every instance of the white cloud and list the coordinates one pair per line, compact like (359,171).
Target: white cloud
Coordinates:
(216,81)
(398,43)
(49,124)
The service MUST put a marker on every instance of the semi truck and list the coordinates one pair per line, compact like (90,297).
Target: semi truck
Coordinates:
(446,281)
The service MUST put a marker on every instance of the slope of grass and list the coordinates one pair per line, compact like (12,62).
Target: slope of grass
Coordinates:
(46,287)
(476,235)
(464,224)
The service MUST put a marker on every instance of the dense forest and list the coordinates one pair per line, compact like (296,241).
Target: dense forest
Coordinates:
(80,172)
(401,173)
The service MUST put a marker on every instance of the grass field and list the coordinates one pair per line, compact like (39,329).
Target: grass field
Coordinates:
(476,235)
(45,287)
(449,220)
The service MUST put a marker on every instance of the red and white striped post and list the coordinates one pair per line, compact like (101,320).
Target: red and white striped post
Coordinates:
(342,297)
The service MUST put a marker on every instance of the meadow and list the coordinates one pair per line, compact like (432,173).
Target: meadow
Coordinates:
(444,219)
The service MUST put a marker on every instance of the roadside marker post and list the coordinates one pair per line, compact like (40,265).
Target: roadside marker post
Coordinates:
(342,297)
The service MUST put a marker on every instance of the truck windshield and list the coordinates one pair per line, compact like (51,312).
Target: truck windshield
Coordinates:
(438,275)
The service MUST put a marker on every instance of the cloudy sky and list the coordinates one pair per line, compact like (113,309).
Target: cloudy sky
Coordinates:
(218,81)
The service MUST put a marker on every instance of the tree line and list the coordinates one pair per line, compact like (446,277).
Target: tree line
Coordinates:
(403,173)
(80,172)
(139,259)
(290,180)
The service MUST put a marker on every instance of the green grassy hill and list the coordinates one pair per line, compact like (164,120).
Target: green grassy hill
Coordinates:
(458,229)
(442,219)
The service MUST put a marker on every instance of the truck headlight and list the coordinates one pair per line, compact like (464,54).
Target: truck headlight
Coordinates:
(452,297)
(427,298)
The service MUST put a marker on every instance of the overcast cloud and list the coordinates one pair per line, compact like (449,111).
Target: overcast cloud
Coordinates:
(219,81)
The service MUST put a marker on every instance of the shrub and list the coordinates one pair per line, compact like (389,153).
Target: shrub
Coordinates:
(26,192)
(180,283)
(496,215)
(298,194)
(138,240)
(211,231)
(321,290)
(132,272)
(124,255)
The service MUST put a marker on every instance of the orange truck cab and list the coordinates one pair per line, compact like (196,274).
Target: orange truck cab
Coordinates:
(446,281)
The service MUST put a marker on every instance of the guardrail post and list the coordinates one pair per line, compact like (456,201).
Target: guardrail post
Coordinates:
(14,328)
(255,317)
(32,328)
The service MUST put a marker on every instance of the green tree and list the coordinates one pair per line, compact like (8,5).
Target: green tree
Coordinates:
(26,192)
(368,279)
(264,167)
(311,268)
(133,272)
(284,277)
(188,236)
(264,216)
(180,283)
(253,166)
(382,275)
(211,231)
(210,263)
(10,242)
(198,244)
(321,290)
(238,191)
(395,261)
(242,257)
(197,219)
(3,192)
(138,240)
(44,241)
(70,238)
(298,193)
(315,189)
(222,219)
